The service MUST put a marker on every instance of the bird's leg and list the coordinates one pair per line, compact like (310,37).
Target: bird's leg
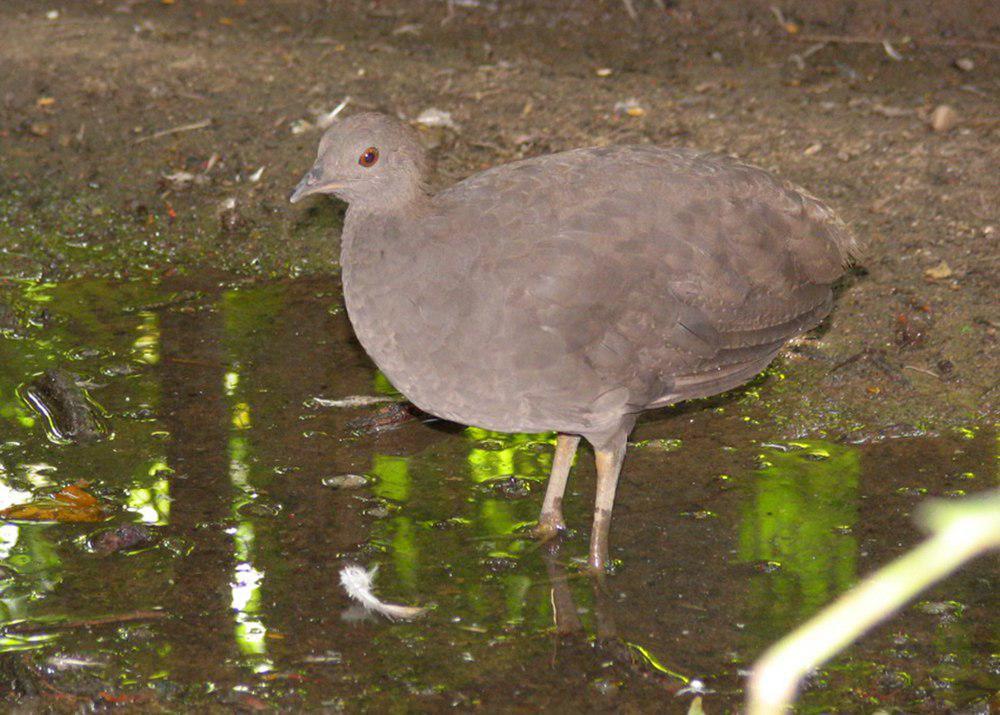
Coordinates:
(550,521)
(609,457)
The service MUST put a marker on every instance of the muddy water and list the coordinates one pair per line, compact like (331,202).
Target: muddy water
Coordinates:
(725,536)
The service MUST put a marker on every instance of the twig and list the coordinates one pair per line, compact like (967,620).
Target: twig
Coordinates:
(34,627)
(963,530)
(925,41)
(630,9)
(924,370)
(176,130)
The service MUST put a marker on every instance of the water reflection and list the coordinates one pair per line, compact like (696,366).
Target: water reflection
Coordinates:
(216,453)
(798,527)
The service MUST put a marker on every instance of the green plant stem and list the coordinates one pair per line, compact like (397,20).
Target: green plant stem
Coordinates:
(963,530)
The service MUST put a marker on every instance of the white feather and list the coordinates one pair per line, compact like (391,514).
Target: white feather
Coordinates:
(358,582)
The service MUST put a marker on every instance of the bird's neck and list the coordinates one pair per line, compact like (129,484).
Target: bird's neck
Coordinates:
(378,238)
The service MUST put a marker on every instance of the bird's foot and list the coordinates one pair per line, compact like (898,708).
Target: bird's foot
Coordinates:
(548,528)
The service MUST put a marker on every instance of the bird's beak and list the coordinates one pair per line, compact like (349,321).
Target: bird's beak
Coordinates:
(313,183)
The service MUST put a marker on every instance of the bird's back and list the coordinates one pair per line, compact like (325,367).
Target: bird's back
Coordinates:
(578,284)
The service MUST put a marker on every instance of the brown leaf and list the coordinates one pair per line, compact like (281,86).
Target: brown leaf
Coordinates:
(70,505)
(76,496)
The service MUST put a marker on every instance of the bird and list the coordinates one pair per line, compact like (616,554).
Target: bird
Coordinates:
(571,292)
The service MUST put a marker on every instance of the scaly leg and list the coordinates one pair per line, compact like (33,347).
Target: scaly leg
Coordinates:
(609,457)
(550,521)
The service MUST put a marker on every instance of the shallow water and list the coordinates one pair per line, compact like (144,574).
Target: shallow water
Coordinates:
(724,536)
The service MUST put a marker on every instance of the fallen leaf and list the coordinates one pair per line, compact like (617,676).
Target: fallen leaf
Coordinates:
(75,495)
(939,272)
(71,504)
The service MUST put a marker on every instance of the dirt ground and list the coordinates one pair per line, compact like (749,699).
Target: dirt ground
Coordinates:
(133,134)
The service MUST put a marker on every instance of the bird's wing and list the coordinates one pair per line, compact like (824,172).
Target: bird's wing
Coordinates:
(675,267)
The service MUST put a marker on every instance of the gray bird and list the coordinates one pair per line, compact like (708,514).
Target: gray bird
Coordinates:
(572,291)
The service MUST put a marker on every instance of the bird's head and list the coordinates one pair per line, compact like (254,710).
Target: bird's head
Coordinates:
(368,158)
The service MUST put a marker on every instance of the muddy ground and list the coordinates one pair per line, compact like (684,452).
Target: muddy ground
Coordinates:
(86,87)
(156,142)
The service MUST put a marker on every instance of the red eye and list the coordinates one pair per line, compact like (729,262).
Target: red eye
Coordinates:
(368,157)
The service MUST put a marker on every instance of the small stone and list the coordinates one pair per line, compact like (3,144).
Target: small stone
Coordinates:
(346,481)
(943,118)
(965,64)
(125,538)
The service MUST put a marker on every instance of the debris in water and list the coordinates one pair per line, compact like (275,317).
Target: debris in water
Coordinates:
(65,662)
(346,481)
(357,581)
(349,401)
(70,504)
(125,537)
(330,657)
(71,416)
(387,417)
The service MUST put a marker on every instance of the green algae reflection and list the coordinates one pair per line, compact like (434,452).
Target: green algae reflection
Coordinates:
(798,527)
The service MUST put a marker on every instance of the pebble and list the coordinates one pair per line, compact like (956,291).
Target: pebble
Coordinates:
(346,481)
(943,118)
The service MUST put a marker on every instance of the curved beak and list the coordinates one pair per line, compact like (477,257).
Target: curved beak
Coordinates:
(312,183)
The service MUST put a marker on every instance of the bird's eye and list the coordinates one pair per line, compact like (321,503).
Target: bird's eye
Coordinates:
(368,157)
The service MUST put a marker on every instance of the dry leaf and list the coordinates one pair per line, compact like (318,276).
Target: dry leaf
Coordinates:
(71,504)
(939,272)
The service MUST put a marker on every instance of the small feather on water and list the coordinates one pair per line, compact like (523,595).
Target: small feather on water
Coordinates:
(358,582)
(350,401)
